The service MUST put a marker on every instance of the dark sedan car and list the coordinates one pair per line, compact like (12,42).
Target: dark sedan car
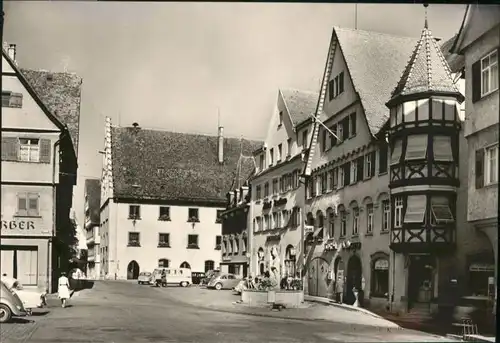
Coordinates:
(197,277)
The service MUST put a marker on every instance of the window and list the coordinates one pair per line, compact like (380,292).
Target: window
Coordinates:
(343,223)
(396,152)
(324,134)
(369,218)
(386,215)
(409,111)
(341,179)
(398,212)
(275,186)
(134,239)
(479,168)
(192,242)
(261,162)
(491,165)
(134,212)
(304,139)
(271,157)
(209,265)
(415,209)
(380,278)
(335,178)
(164,240)
(345,128)
(340,132)
(164,213)
(274,224)
(280,152)
(324,183)
(489,73)
(309,188)
(416,147)
(341,82)
(29,149)
(330,180)
(163,263)
(258,193)
(360,161)
(284,218)
(10,99)
(352,126)
(281,119)
(336,86)
(290,261)
(331,224)
(382,158)
(368,165)
(27,204)
(289,147)
(184,265)
(193,215)
(354,171)
(441,212)
(331,90)
(355,221)
(442,148)
(218,242)
(218,218)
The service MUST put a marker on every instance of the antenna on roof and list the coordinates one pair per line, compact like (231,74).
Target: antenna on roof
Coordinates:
(426,25)
(355,16)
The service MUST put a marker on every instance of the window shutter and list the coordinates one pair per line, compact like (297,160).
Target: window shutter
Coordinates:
(372,166)
(347,174)
(341,82)
(10,148)
(479,168)
(382,163)
(360,169)
(45,150)
(476,81)
(353,123)
(333,139)
(345,128)
(330,90)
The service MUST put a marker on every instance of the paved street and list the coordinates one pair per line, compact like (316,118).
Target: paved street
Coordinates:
(127,312)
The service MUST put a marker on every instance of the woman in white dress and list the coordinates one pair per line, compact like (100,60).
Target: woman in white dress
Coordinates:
(63,289)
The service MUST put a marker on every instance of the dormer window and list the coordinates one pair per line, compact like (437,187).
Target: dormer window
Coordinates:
(304,139)
(280,152)
(261,162)
(289,147)
(336,86)
(10,99)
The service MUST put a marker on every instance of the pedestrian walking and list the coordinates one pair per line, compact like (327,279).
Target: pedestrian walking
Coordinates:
(164,278)
(63,289)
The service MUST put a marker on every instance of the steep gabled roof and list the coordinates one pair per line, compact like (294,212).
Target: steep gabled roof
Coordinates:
(455,61)
(300,104)
(161,165)
(426,71)
(375,62)
(61,93)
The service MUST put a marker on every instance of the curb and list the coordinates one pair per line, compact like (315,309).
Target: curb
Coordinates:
(330,302)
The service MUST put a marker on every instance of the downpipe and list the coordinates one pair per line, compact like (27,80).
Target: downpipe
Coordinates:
(54,217)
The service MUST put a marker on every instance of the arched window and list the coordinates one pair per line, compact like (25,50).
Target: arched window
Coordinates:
(290,261)
(185,265)
(163,263)
(380,275)
(209,265)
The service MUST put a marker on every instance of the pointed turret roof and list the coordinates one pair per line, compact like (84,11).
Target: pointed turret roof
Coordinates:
(427,71)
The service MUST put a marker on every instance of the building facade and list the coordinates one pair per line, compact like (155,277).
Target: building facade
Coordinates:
(161,197)
(40,116)
(277,197)
(92,211)
(478,43)
(347,227)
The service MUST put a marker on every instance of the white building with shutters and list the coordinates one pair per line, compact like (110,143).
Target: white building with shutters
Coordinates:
(38,170)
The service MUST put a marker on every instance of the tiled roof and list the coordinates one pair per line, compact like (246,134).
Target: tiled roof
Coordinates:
(162,165)
(93,191)
(375,62)
(455,61)
(300,104)
(61,93)
(426,71)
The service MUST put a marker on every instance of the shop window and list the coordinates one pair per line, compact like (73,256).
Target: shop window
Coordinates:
(415,209)
(380,278)
(441,212)
(479,275)
(416,147)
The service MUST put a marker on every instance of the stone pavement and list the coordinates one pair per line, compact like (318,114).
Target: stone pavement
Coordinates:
(226,300)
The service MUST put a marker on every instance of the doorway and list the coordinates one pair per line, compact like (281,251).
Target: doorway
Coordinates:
(318,277)
(354,275)
(132,270)
(420,280)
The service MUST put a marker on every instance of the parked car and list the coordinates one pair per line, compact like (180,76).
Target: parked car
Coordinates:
(197,277)
(175,276)
(31,298)
(10,304)
(144,278)
(224,281)
(208,276)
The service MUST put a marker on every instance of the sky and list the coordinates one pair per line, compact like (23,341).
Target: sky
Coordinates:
(175,66)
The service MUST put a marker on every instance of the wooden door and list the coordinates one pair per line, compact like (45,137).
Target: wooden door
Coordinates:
(318,277)
(27,267)
(7,262)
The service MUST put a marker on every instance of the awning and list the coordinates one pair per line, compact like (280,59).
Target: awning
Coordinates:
(481,267)
(316,233)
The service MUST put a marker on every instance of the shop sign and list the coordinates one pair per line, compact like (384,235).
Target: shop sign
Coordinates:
(382,264)
(19,227)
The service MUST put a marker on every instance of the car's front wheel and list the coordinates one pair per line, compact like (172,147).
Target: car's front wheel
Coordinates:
(184,284)
(218,286)
(5,313)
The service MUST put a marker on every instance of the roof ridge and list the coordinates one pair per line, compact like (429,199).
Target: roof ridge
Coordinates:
(298,90)
(371,32)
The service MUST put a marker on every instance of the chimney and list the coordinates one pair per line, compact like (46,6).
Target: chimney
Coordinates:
(11,51)
(220,144)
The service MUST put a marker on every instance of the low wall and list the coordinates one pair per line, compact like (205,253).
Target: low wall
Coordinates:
(289,299)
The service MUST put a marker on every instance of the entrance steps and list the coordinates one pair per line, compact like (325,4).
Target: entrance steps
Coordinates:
(419,312)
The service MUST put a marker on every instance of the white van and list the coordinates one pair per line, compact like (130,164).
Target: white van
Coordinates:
(175,276)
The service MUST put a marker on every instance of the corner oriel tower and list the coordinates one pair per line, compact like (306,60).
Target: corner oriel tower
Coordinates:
(424,142)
